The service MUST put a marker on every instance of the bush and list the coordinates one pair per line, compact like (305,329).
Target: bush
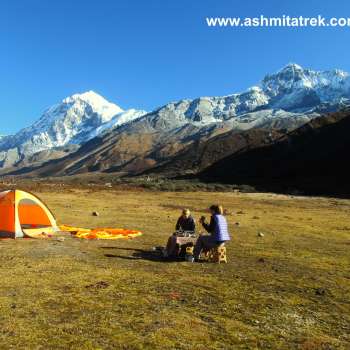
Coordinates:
(247,189)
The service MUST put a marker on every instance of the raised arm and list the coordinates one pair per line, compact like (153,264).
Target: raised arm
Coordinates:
(210,228)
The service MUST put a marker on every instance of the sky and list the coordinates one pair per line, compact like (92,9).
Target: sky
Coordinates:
(145,53)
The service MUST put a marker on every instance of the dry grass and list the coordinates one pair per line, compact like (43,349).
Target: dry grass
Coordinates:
(287,290)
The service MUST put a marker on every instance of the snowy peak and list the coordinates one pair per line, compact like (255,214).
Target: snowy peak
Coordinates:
(88,96)
(75,120)
(74,109)
(99,104)
(327,85)
(291,68)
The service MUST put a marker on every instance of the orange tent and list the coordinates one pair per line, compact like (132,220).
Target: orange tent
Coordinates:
(22,211)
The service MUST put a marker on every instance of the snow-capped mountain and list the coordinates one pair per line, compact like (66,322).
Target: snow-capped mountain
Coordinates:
(75,120)
(327,84)
(284,100)
(293,89)
(280,103)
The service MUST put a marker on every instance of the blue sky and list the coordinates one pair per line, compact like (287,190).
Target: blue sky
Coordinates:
(145,53)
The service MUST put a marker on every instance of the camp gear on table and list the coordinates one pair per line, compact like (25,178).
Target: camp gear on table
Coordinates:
(181,233)
(177,243)
(24,214)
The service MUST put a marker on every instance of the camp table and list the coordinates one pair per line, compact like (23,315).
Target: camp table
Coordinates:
(178,242)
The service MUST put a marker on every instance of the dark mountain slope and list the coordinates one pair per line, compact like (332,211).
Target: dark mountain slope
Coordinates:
(203,152)
(313,159)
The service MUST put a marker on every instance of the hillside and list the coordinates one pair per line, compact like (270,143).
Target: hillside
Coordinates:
(205,152)
(312,159)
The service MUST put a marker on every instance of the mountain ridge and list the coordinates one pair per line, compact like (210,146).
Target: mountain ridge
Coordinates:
(75,120)
(134,141)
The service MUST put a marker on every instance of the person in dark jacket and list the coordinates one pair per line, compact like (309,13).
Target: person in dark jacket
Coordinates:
(185,222)
(217,229)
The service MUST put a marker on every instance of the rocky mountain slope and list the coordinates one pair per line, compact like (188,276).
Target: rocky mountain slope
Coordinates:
(75,120)
(283,101)
(312,159)
(204,152)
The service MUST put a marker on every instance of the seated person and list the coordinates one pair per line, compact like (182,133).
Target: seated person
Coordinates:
(184,223)
(217,229)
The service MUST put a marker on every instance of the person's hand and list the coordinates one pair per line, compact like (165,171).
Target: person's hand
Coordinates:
(202,219)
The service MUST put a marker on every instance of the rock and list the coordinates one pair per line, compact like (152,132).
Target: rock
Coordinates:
(320,291)
(261,260)
(240,212)
(260,234)
(237,224)
(95,213)
(256,217)
(60,239)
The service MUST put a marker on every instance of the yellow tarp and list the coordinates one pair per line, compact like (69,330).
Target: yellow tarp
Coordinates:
(101,233)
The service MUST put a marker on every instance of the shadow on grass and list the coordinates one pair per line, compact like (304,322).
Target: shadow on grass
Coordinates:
(140,254)
(121,248)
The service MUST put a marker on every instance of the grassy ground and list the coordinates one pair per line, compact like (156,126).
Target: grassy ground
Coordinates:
(286,290)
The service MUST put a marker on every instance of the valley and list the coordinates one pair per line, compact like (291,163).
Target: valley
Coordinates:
(286,290)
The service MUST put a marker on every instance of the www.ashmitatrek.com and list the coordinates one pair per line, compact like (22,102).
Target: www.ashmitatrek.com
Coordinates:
(283,21)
